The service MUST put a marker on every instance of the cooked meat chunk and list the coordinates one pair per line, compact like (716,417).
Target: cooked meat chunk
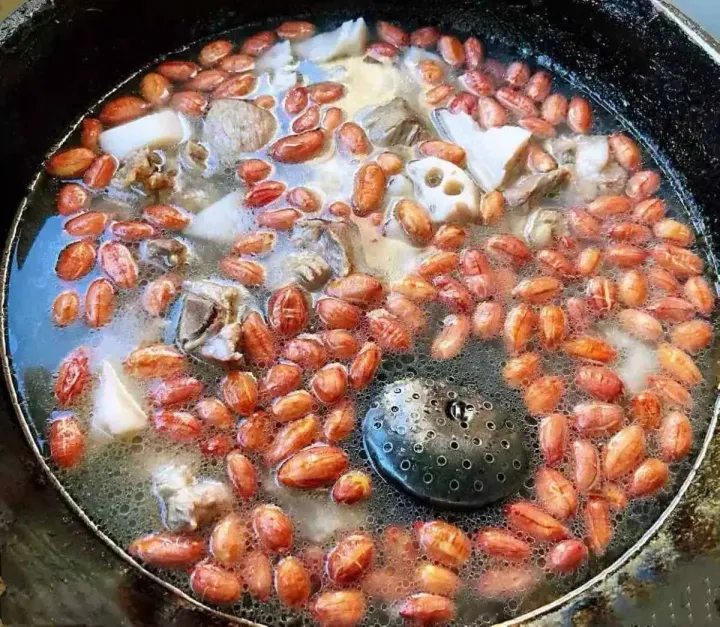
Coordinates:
(309,269)
(210,320)
(188,503)
(236,126)
(337,242)
(543,226)
(164,254)
(394,124)
(532,188)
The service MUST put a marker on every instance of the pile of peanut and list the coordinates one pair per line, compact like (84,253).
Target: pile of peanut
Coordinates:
(336,348)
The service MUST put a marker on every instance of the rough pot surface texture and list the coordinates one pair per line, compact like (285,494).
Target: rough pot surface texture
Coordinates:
(654,81)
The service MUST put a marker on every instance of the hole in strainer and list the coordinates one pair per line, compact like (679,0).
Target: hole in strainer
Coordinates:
(454,485)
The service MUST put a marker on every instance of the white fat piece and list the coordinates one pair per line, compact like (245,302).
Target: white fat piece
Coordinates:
(157,130)
(221,221)
(280,65)
(411,60)
(347,40)
(317,520)
(636,359)
(282,80)
(116,412)
(333,177)
(387,253)
(491,154)
(279,57)
(543,226)
(445,190)
(595,171)
(127,330)
(366,84)
(414,56)
(592,154)
(168,478)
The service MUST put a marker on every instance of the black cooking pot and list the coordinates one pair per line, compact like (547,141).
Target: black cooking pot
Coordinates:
(654,72)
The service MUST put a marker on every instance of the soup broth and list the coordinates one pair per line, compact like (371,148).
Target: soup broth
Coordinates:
(357,325)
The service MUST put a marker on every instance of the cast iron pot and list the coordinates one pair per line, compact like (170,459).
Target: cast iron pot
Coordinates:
(651,68)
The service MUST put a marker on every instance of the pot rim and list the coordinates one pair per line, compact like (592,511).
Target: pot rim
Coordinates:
(688,27)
